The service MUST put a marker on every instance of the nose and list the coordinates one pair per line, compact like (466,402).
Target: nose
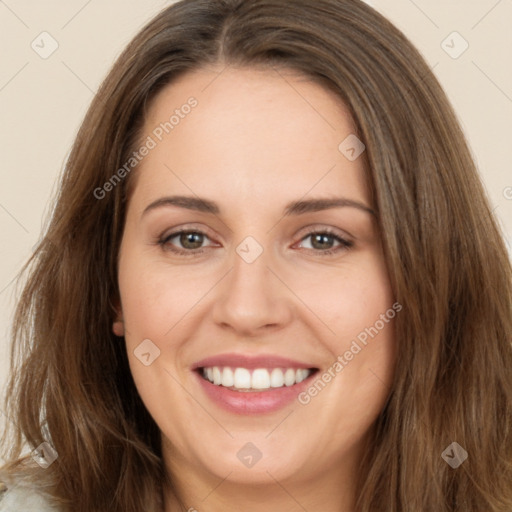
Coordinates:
(251,299)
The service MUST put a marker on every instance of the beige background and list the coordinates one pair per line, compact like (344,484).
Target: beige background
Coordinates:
(42,101)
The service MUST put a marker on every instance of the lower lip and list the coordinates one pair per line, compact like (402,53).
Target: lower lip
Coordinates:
(253,402)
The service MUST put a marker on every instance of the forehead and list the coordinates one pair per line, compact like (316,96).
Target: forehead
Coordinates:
(260,132)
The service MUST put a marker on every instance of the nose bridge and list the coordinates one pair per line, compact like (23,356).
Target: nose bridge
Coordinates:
(251,296)
(251,266)
(249,285)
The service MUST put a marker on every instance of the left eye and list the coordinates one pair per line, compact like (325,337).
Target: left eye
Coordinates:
(324,241)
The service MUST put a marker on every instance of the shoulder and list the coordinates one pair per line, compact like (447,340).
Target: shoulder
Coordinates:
(21,497)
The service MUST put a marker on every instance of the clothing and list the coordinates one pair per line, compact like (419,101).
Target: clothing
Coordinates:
(20,497)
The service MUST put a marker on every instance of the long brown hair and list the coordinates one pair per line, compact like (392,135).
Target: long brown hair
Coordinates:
(71,384)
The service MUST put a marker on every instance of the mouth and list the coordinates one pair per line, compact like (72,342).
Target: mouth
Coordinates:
(254,380)
(244,384)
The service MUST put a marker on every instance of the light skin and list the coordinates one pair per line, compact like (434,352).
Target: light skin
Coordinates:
(257,141)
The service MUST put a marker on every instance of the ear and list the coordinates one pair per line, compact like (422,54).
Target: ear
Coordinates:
(118,323)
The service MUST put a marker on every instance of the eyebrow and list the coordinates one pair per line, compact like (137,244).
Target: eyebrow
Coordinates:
(294,208)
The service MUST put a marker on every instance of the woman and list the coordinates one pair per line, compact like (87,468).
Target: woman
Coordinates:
(271,281)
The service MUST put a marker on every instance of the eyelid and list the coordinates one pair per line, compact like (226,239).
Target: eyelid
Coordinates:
(185,228)
(322,228)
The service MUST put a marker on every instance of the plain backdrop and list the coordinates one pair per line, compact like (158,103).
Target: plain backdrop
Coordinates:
(43,98)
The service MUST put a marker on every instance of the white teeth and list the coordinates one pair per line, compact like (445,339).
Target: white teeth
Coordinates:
(228,379)
(277,378)
(258,379)
(242,378)
(217,376)
(289,377)
(301,375)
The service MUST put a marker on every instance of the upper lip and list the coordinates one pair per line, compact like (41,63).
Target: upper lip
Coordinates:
(250,362)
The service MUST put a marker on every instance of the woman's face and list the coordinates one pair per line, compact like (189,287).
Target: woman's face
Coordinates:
(279,276)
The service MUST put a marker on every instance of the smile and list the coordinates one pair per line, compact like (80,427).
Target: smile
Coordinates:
(252,384)
(244,379)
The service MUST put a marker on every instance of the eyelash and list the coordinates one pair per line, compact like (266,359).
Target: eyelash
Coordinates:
(164,242)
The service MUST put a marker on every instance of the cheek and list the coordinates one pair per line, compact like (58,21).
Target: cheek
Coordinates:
(350,298)
(356,303)
(153,303)
(153,296)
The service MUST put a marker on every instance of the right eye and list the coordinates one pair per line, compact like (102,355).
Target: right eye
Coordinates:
(185,242)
